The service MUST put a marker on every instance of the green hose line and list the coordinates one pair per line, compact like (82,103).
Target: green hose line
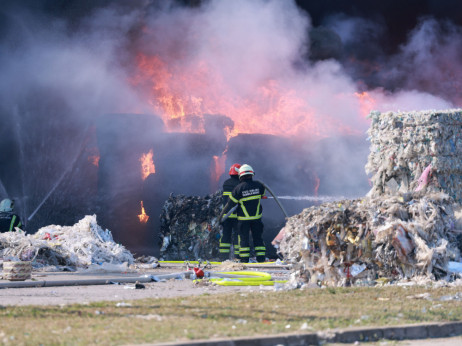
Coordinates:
(246,276)
(239,282)
(242,278)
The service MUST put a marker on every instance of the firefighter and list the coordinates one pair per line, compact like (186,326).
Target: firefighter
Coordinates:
(230,230)
(248,195)
(8,219)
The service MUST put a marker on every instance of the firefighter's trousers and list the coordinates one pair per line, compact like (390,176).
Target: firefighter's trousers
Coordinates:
(229,237)
(254,227)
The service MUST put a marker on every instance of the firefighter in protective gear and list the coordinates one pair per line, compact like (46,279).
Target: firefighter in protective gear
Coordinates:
(8,219)
(248,195)
(230,230)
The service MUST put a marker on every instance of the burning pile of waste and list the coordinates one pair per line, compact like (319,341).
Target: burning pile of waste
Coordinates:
(77,246)
(406,227)
(188,227)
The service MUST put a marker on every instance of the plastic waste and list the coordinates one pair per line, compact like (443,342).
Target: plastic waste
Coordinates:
(423,180)
(82,245)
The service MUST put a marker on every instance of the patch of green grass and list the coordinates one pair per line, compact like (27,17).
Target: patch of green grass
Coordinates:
(224,315)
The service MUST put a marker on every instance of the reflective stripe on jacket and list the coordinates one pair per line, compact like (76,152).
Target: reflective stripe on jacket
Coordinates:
(248,195)
(8,221)
(228,187)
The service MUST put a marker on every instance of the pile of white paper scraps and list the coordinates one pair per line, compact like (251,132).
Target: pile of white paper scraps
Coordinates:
(416,151)
(80,245)
(363,240)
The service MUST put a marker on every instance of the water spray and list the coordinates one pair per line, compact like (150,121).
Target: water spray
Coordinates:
(3,189)
(48,195)
(315,198)
(57,182)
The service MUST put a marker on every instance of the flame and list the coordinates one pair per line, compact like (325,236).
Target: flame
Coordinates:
(176,92)
(216,171)
(94,159)
(147,164)
(143,217)
(366,103)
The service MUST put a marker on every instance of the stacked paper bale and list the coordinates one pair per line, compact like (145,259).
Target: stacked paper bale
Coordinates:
(416,150)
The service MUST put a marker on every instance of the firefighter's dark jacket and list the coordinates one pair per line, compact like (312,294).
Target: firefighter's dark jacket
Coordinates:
(8,221)
(248,195)
(228,187)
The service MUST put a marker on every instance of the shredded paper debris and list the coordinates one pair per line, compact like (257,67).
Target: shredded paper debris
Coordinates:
(77,246)
(407,227)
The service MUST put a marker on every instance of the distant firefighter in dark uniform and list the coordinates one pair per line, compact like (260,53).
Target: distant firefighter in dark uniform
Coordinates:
(8,219)
(248,195)
(230,230)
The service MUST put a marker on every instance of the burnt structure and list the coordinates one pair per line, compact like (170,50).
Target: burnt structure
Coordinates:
(182,166)
(99,172)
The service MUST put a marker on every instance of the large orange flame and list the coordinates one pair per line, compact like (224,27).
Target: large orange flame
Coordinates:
(143,217)
(269,108)
(366,103)
(147,164)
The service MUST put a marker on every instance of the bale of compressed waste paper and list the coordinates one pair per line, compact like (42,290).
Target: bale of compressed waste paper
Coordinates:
(17,270)
(412,151)
(406,226)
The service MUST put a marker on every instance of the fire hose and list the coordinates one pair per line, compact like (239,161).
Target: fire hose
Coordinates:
(275,198)
(91,282)
(242,278)
(237,278)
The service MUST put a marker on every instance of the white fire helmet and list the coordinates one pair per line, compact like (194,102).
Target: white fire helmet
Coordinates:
(6,205)
(246,170)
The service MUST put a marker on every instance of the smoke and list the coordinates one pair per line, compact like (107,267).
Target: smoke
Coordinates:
(245,59)
(256,62)
(423,73)
(430,60)
(55,81)
(83,69)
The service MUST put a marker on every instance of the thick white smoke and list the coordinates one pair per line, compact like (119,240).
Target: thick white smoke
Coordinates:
(81,69)
(252,52)
(236,51)
(222,56)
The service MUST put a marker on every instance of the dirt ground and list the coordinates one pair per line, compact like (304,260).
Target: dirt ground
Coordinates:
(120,292)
